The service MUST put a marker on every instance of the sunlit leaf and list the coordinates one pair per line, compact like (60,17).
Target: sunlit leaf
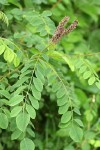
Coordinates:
(31,111)
(16,99)
(66,117)
(27,144)
(22,120)
(76,133)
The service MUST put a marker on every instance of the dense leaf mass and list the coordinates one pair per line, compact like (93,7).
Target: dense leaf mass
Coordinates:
(49,75)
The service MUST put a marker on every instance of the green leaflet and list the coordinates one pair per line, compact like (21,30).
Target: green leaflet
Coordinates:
(9,55)
(30,132)
(64,125)
(20,89)
(66,117)
(15,111)
(61,92)
(3,121)
(20,82)
(31,111)
(16,61)
(87,74)
(22,120)
(38,84)
(79,63)
(5,93)
(69,61)
(27,66)
(51,79)
(45,57)
(27,144)
(36,93)
(56,86)
(79,122)
(16,99)
(63,109)
(62,101)
(4,101)
(15,134)
(41,68)
(27,72)
(82,69)
(15,75)
(77,111)
(76,133)
(34,102)
(2,49)
(91,80)
(40,76)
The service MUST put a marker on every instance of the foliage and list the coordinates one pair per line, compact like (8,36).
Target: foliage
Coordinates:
(49,93)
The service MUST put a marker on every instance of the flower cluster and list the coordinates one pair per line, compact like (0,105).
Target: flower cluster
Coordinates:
(61,31)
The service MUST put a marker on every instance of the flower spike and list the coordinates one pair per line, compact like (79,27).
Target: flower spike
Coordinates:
(61,31)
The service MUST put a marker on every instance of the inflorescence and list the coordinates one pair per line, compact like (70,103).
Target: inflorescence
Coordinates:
(61,31)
